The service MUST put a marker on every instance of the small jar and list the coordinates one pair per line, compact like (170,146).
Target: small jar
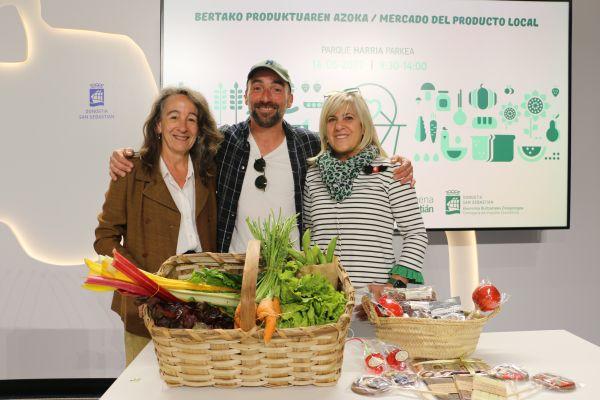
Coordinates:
(442,102)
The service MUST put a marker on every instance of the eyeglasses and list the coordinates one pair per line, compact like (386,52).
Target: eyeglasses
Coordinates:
(261,181)
(349,90)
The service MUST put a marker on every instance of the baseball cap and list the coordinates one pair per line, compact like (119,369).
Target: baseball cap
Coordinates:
(273,66)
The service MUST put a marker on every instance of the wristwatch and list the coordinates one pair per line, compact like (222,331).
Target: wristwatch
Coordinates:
(397,283)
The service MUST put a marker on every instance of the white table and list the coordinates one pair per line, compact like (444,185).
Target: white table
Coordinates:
(558,351)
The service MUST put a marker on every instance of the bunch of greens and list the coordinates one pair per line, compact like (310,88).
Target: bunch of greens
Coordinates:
(274,235)
(308,300)
(214,277)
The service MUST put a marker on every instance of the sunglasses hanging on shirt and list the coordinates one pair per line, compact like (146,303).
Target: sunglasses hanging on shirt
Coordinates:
(261,181)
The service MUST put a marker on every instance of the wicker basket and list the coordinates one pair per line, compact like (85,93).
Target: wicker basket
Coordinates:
(232,357)
(429,338)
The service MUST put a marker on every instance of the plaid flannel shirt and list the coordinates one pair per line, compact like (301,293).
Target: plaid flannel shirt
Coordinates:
(232,161)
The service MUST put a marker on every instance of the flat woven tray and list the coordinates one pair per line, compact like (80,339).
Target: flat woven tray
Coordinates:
(232,357)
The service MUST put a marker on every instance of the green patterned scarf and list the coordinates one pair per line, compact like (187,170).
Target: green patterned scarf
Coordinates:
(338,176)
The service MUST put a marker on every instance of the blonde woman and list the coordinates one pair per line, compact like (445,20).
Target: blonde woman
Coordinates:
(350,192)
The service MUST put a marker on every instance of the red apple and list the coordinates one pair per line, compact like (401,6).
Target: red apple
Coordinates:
(391,305)
(486,297)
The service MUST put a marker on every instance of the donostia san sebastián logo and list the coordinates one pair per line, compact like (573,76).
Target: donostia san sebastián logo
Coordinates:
(96,102)
(96,94)
(452,202)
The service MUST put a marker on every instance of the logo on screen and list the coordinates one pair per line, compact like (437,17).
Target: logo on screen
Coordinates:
(96,94)
(452,202)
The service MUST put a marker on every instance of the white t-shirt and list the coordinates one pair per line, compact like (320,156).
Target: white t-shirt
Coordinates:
(256,203)
(185,200)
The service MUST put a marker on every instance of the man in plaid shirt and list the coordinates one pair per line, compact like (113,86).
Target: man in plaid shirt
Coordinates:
(261,163)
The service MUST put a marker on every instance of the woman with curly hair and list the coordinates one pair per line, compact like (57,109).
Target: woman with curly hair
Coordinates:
(167,206)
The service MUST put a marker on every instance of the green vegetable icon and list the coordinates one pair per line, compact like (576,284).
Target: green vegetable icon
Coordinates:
(420,134)
(552,132)
(235,99)
(427,89)
(555,92)
(483,98)
(220,100)
(433,129)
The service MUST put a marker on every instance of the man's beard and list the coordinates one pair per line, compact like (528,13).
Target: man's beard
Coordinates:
(268,122)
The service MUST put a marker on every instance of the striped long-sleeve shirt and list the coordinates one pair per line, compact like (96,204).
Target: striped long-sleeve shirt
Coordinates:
(364,223)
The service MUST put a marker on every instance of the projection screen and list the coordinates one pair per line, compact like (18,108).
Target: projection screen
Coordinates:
(475,93)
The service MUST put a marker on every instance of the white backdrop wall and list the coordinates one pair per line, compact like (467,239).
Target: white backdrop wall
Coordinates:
(50,328)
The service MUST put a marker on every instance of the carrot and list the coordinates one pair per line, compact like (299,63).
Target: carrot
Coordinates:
(268,310)
(237,318)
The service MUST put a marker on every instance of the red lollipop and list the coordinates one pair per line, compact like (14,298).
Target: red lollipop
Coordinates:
(375,362)
(396,359)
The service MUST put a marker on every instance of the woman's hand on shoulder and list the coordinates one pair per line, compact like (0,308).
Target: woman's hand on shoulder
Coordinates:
(403,171)
(120,165)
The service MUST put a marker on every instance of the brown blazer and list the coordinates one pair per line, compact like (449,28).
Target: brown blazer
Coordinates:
(140,212)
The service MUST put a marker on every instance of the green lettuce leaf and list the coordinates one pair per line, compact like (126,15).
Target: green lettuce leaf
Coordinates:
(214,277)
(309,300)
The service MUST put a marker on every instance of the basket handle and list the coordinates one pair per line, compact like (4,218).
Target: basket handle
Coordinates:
(248,294)
(369,309)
